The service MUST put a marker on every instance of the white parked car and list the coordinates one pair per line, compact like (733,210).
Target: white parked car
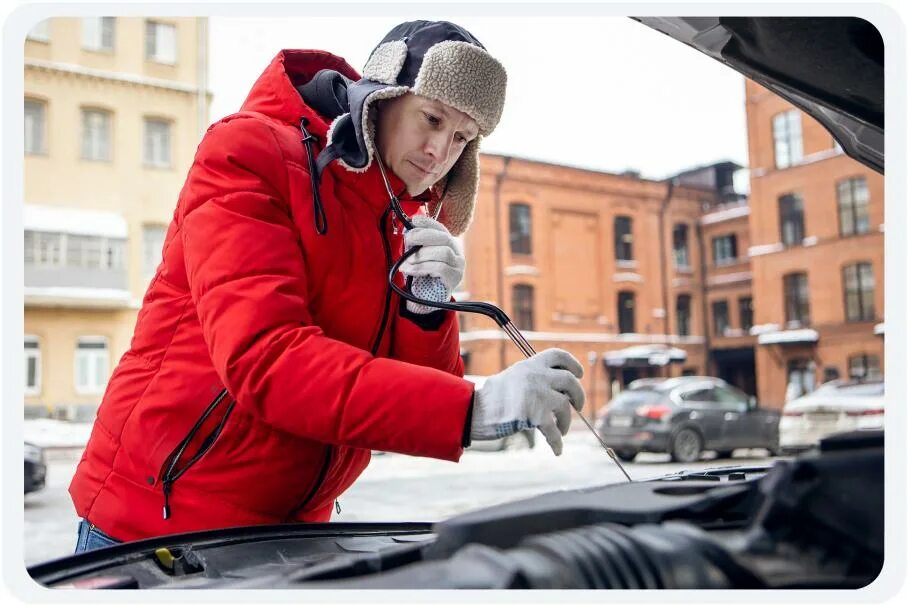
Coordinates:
(836,406)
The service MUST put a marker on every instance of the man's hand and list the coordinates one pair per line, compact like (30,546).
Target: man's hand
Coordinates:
(439,257)
(536,392)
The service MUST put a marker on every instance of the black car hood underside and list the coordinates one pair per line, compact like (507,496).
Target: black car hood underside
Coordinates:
(830,67)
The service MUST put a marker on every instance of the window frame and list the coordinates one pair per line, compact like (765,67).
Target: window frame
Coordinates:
(721,242)
(746,325)
(94,356)
(152,55)
(90,45)
(151,162)
(41,150)
(84,111)
(787,215)
(33,353)
(714,306)
(623,297)
(520,215)
(624,239)
(687,320)
(523,302)
(867,367)
(852,207)
(866,308)
(682,252)
(794,301)
(786,130)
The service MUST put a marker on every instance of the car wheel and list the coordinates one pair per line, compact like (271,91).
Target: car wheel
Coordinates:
(686,446)
(724,453)
(626,455)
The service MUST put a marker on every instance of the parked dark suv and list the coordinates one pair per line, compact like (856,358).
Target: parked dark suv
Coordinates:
(685,416)
(35,467)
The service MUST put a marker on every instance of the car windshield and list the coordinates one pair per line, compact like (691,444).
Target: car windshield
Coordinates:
(633,398)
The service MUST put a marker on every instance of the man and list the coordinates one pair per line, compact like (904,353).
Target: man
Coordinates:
(270,355)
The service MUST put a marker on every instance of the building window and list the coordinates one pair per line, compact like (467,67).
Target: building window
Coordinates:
(152,248)
(854,217)
(624,238)
(689,372)
(682,311)
(626,304)
(160,42)
(797,300)
(725,250)
(156,148)
(680,247)
(92,361)
(864,367)
(791,219)
(786,136)
(40,31)
(830,373)
(93,252)
(523,306)
(43,249)
(35,127)
(859,286)
(96,135)
(98,33)
(720,317)
(520,225)
(746,311)
(801,378)
(32,366)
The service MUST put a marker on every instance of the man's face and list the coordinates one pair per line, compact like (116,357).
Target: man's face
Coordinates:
(420,138)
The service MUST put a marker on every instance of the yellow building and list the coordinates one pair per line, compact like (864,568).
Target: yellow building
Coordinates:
(114,110)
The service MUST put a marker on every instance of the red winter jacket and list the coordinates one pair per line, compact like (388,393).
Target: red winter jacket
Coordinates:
(249,297)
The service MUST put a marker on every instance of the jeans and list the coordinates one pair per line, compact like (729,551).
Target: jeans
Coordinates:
(91,538)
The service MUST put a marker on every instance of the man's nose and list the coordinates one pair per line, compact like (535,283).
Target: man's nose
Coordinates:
(438,146)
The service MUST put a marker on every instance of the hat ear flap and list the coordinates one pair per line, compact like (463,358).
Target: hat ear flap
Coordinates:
(460,187)
(385,62)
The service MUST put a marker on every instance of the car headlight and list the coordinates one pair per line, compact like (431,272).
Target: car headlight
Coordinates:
(33,453)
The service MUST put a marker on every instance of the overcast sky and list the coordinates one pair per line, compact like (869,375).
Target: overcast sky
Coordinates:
(605,93)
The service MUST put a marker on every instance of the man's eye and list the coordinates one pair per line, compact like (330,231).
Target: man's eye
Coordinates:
(461,138)
(433,120)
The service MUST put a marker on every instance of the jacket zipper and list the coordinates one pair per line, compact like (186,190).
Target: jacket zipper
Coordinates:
(316,485)
(169,474)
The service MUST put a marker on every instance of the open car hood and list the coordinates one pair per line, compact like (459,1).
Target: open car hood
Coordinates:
(812,522)
(829,67)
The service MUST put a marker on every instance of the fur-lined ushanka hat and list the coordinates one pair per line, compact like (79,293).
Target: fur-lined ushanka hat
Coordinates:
(435,59)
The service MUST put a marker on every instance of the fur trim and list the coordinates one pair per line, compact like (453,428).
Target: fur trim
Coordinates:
(459,201)
(368,123)
(465,77)
(385,62)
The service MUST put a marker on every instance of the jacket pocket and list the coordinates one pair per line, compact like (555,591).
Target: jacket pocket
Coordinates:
(171,470)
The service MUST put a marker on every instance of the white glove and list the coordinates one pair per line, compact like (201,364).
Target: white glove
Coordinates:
(439,257)
(536,392)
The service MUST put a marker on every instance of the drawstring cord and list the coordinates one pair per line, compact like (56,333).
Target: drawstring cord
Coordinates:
(321,220)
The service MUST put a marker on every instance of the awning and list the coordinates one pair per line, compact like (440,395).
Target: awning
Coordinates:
(788,337)
(645,355)
(75,221)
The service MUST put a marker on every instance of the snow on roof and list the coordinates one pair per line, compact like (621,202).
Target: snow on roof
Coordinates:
(783,336)
(657,355)
(75,221)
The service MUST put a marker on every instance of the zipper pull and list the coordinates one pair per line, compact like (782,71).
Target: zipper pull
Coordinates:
(166,500)
(337,506)
(394,225)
